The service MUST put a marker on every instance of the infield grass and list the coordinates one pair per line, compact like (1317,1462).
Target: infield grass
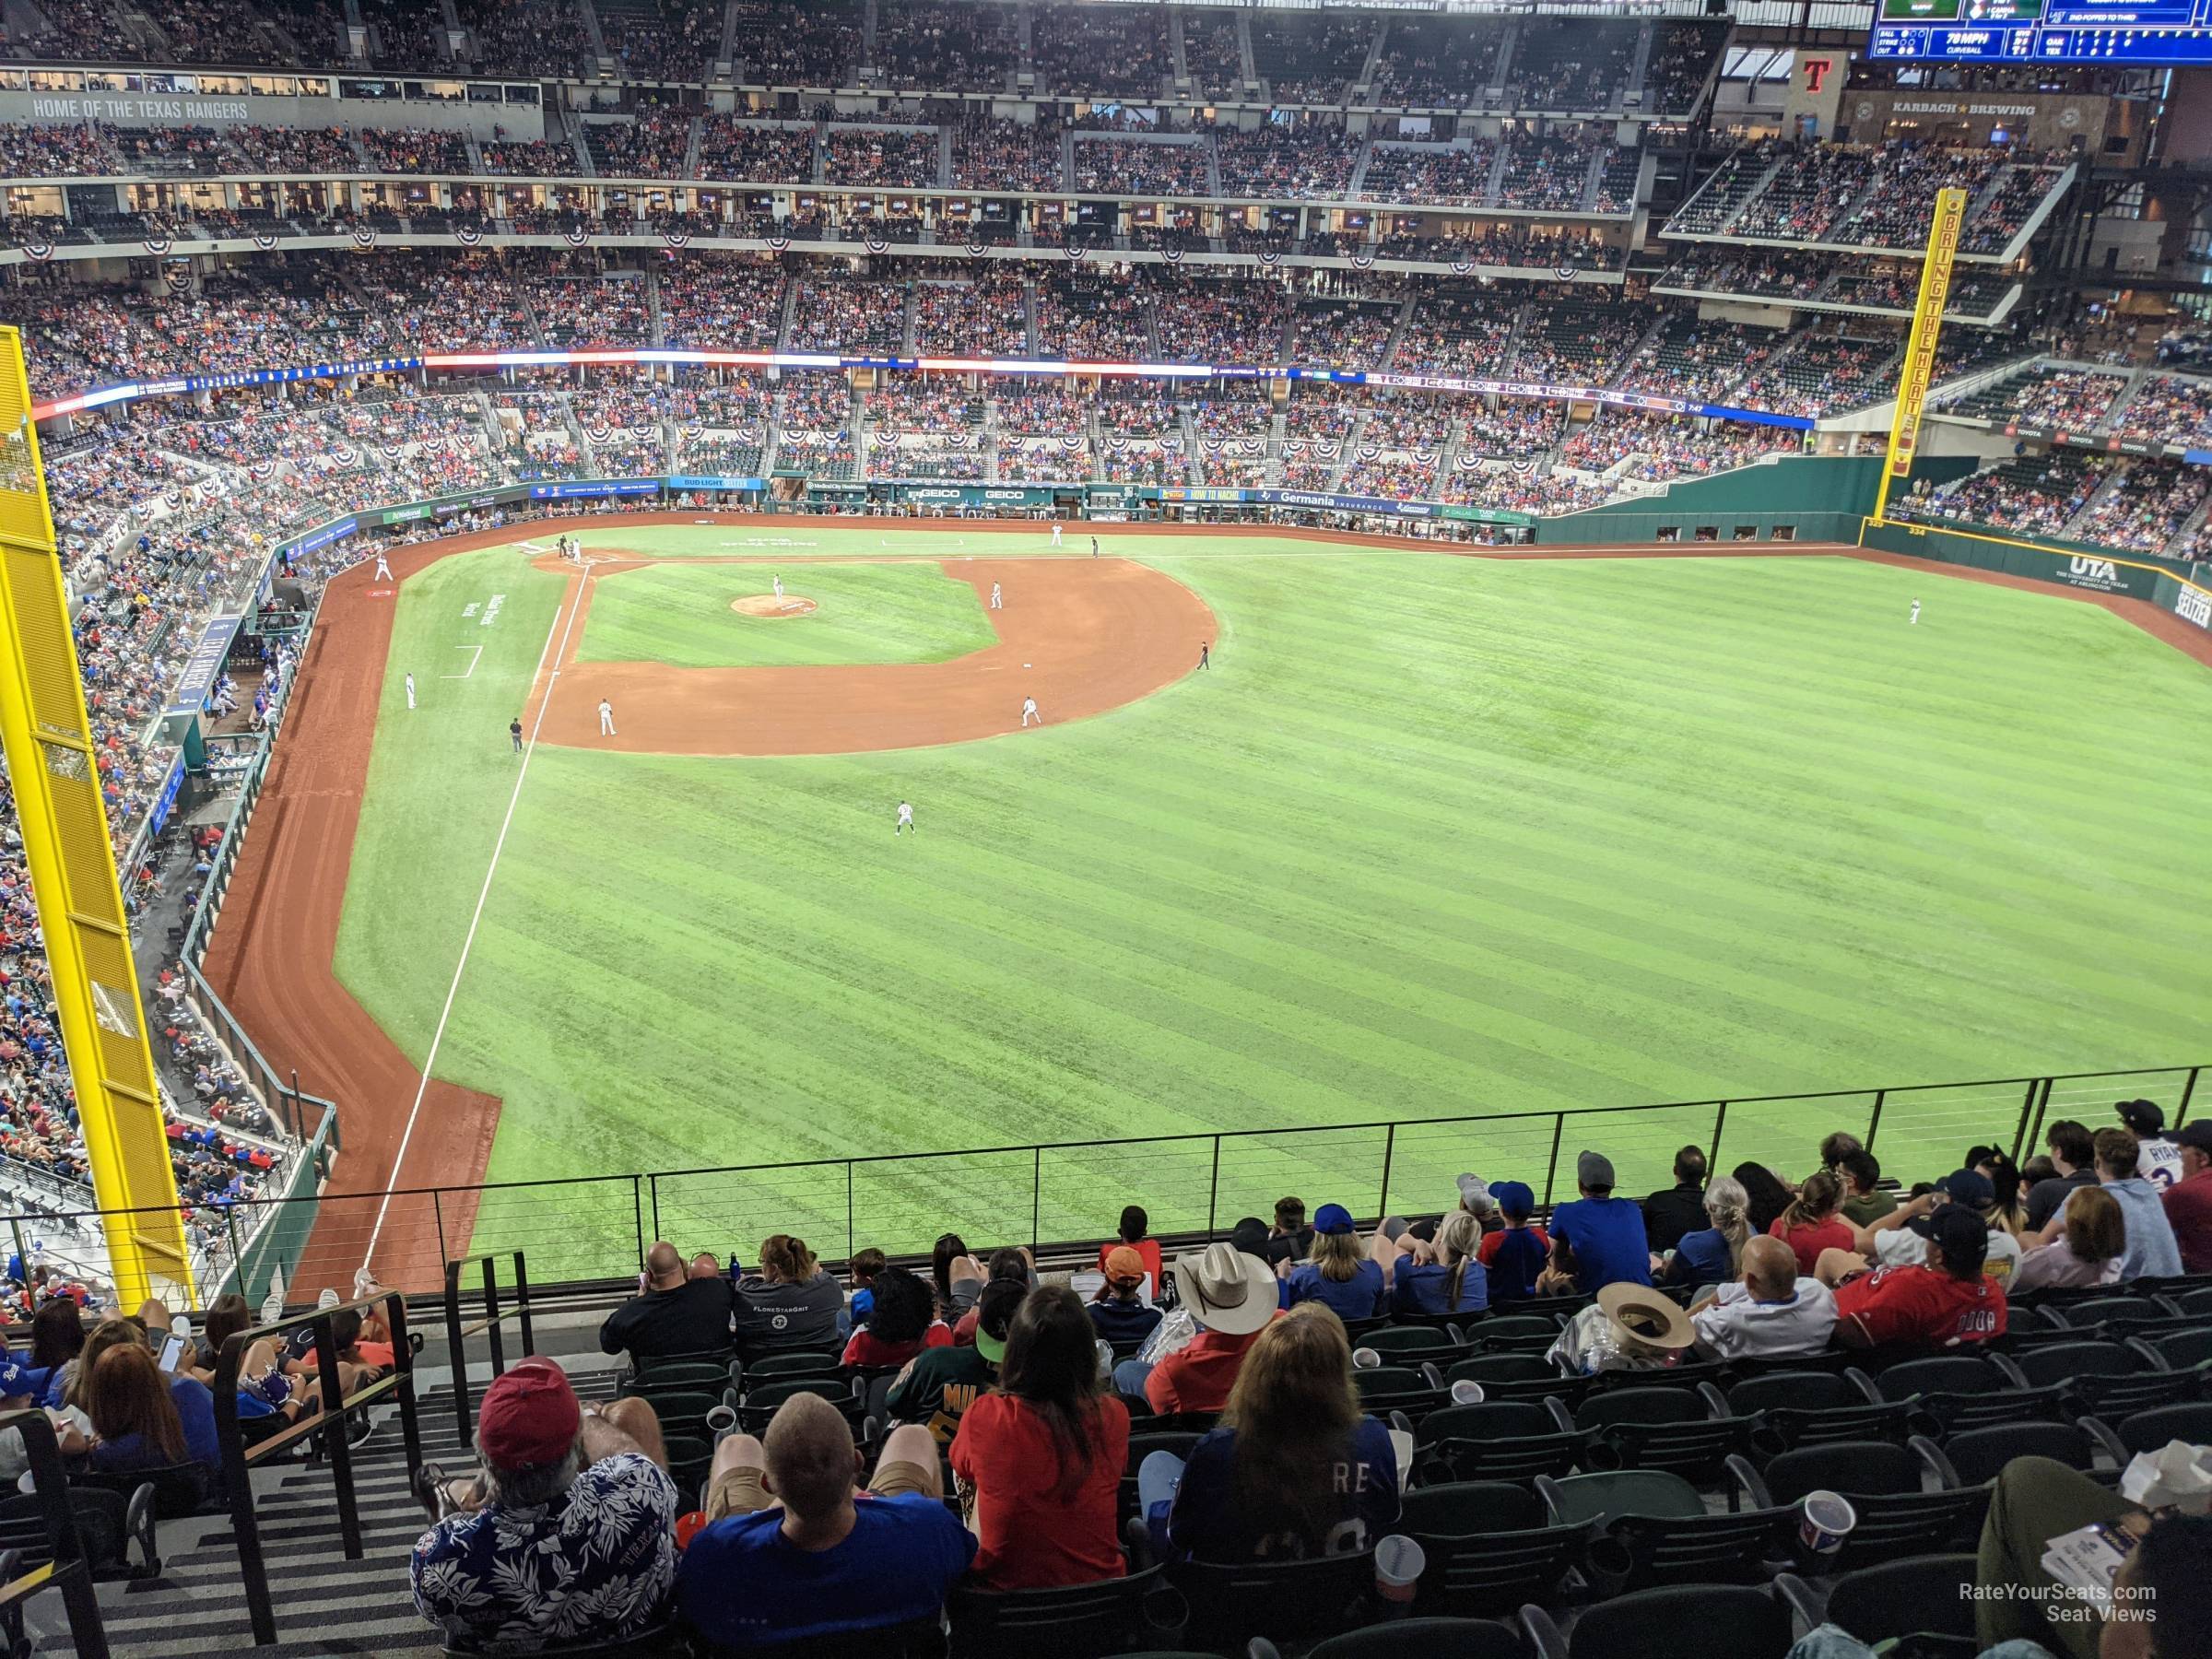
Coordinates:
(679,614)
(1437,837)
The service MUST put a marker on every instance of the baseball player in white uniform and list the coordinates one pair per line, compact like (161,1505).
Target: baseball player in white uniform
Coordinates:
(1916,611)
(906,818)
(1028,713)
(779,582)
(998,602)
(383,571)
(607,718)
(1055,535)
(410,690)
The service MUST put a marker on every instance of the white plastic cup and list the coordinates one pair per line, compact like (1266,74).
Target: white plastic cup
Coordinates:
(1467,1392)
(1366,1359)
(1398,1564)
(1824,1521)
(722,1423)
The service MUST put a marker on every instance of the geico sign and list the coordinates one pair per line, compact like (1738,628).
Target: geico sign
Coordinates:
(2194,606)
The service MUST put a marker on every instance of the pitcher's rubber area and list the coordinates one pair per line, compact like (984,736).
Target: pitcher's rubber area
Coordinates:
(1080,636)
(1100,633)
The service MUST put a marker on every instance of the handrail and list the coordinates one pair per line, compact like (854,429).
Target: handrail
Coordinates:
(68,1572)
(238,1460)
(457,1336)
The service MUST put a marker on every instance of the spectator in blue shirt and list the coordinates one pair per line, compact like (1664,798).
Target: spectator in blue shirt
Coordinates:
(1714,1254)
(1444,1276)
(797,1554)
(1604,1233)
(1339,1274)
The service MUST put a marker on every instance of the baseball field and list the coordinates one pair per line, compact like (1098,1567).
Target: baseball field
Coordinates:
(1432,836)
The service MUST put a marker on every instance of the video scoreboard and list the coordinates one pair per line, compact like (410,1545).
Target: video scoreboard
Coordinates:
(2045,31)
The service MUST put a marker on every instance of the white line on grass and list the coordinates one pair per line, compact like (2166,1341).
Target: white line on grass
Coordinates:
(430,1060)
(472,661)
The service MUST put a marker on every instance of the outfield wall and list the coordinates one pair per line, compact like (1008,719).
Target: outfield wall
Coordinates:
(1798,497)
(2184,590)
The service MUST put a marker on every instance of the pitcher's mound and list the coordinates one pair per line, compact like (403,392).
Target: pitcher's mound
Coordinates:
(768,605)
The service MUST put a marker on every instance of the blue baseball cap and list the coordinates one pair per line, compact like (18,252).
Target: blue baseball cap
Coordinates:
(1332,1219)
(1515,1199)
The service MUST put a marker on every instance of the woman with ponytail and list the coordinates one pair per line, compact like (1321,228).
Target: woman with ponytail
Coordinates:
(1442,1277)
(1811,1224)
(1715,1256)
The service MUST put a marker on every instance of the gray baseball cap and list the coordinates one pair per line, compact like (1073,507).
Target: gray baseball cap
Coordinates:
(1593,1170)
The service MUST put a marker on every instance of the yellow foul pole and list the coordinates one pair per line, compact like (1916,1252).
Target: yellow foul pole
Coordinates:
(1920,348)
(51,762)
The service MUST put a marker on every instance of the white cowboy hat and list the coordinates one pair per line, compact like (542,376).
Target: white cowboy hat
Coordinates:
(1645,1316)
(1225,1290)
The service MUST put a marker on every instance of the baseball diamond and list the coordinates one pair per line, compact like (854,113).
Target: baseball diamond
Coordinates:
(1486,791)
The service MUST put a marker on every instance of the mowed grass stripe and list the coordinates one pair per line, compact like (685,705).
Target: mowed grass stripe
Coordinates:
(1436,836)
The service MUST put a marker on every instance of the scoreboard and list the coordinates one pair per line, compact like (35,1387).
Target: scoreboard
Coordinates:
(2045,31)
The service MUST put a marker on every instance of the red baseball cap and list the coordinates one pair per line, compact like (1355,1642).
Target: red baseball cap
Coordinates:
(529,1416)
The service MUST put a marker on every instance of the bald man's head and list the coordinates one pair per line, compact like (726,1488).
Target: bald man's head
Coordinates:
(811,1461)
(664,1267)
(705,1266)
(1769,1268)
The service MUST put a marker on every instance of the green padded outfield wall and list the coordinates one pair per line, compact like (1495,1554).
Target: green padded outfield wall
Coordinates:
(2071,564)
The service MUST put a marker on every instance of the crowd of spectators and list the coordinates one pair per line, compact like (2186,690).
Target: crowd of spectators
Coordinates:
(722,301)
(755,151)
(986,317)
(898,157)
(1167,167)
(2028,495)
(2144,508)
(529,157)
(533,38)
(848,315)
(1432,61)
(1002,154)
(1547,172)
(1099,49)
(1311,161)
(662,40)
(1445,175)
(1232,321)
(798,42)
(2168,409)
(647,145)
(972,47)
(1657,447)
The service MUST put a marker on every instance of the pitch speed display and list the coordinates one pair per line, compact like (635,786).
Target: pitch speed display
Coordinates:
(2048,31)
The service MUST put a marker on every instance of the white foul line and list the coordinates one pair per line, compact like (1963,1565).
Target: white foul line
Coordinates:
(430,1060)
(472,661)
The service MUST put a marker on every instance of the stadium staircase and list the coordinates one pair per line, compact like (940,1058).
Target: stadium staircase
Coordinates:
(656,325)
(1495,184)
(1493,95)
(1632,92)
(724,66)
(1397,331)
(323,1603)
(1030,299)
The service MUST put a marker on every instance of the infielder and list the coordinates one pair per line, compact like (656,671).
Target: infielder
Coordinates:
(1916,612)
(607,718)
(383,571)
(410,691)
(1094,547)
(514,730)
(997,602)
(906,818)
(1205,656)
(1055,535)
(1028,713)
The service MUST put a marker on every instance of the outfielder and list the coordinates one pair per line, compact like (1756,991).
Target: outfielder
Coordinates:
(1055,535)
(607,718)
(383,571)
(906,818)
(410,691)
(997,602)
(1916,612)
(1028,713)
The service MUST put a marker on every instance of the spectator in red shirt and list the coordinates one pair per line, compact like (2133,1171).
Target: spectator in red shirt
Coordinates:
(2188,1201)
(1134,1229)
(1042,1455)
(1811,1224)
(904,1323)
(1946,1303)
(1230,1296)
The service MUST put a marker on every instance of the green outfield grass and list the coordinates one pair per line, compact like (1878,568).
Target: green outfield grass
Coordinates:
(679,614)
(1437,837)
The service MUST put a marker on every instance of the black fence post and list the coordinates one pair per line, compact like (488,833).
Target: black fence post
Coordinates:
(637,1209)
(1036,1196)
(1874,1124)
(652,1185)
(491,1317)
(1213,1189)
(2188,1088)
(456,1353)
(336,1445)
(1559,1131)
(1720,1120)
(437,1215)
(522,1305)
(852,1244)
(2020,1135)
(1390,1147)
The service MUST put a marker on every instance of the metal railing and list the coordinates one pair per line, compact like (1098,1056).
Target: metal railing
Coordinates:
(490,1326)
(598,1227)
(239,1459)
(65,1568)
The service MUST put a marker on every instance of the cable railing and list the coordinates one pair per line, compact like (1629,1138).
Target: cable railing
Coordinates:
(597,1228)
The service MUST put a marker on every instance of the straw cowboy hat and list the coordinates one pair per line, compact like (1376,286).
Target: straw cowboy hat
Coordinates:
(1226,1291)
(1642,1317)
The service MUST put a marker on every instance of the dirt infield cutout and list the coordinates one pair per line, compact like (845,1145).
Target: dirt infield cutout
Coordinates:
(771,608)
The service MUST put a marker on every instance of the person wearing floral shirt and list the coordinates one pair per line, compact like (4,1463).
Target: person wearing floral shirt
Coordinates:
(575,1535)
